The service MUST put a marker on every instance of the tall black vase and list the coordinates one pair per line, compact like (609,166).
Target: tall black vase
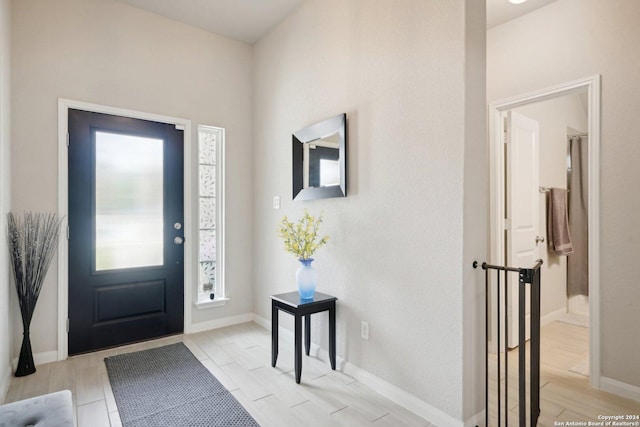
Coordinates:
(26,365)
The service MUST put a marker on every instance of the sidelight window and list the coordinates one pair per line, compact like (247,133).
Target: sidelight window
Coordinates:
(210,215)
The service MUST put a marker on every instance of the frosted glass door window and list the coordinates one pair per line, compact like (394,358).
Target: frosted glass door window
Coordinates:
(129,201)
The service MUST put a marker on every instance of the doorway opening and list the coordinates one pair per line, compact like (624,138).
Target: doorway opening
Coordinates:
(537,158)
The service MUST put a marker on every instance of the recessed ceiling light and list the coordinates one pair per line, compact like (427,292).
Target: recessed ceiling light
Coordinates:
(517,1)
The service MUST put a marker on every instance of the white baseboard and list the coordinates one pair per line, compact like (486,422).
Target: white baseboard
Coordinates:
(621,389)
(262,321)
(476,420)
(553,316)
(5,380)
(388,390)
(402,398)
(39,358)
(220,323)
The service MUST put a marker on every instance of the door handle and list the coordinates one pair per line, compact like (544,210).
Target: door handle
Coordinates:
(539,240)
(178,240)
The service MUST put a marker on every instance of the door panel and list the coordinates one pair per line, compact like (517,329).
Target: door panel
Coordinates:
(125,195)
(522,209)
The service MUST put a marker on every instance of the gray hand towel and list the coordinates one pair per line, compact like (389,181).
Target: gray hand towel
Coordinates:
(558,222)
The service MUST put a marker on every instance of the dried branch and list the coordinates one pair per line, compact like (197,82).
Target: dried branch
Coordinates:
(33,241)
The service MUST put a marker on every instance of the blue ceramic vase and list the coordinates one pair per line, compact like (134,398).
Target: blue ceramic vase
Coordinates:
(306,279)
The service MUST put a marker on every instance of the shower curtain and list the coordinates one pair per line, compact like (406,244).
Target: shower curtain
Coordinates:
(578,262)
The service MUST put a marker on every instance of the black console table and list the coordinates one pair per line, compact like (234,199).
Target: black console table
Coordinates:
(292,304)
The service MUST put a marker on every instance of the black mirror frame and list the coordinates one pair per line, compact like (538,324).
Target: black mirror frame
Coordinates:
(337,124)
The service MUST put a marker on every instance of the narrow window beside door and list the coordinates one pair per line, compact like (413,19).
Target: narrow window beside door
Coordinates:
(211,227)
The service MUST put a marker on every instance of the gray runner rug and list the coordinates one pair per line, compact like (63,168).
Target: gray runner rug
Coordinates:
(169,387)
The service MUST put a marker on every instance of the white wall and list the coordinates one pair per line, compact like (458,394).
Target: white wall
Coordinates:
(554,117)
(563,41)
(106,52)
(6,285)
(402,243)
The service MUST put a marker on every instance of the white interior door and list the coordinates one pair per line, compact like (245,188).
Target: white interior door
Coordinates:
(522,190)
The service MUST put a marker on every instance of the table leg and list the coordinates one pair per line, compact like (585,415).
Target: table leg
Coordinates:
(298,345)
(307,333)
(274,335)
(332,336)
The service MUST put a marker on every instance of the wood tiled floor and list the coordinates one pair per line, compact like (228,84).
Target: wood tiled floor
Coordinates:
(240,357)
(564,395)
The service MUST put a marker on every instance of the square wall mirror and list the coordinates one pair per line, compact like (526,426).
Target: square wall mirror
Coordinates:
(319,160)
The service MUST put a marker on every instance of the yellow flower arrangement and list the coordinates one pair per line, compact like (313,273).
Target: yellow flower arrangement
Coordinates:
(301,238)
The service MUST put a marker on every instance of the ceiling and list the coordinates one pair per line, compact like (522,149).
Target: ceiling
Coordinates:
(250,20)
(501,11)
(244,20)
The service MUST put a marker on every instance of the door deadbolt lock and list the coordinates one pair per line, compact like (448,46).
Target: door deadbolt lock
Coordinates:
(178,240)
(177,226)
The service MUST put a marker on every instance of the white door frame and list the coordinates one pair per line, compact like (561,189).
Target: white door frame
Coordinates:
(63,207)
(497,194)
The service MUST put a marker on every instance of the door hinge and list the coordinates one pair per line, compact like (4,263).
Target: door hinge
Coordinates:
(180,127)
(67,139)
(507,134)
(67,325)
(506,224)
(67,232)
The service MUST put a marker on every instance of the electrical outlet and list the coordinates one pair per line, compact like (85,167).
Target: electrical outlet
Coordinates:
(276,202)
(364,330)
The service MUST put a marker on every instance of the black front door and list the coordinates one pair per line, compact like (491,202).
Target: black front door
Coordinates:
(125,230)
